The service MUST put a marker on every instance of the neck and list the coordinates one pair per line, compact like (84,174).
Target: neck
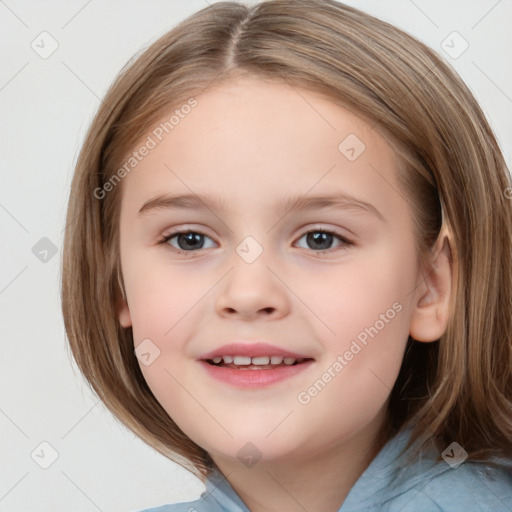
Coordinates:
(318,482)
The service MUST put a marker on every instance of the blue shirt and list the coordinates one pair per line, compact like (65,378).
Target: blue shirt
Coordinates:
(388,485)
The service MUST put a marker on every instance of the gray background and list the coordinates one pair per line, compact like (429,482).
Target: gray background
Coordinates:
(46,105)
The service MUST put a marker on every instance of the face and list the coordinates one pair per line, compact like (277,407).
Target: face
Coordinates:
(329,280)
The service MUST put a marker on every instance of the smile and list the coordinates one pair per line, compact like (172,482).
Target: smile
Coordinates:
(251,372)
(254,363)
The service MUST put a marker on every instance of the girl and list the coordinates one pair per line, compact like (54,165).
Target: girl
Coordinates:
(287,265)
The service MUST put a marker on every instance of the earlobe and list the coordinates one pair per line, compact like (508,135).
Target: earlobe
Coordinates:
(123,311)
(124,316)
(431,309)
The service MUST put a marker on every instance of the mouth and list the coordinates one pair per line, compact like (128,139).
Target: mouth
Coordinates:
(249,364)
(237,362)
(258,372)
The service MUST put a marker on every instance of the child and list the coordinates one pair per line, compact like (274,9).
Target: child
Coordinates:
(372,372)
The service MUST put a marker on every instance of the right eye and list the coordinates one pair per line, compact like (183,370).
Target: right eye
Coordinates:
(186,240)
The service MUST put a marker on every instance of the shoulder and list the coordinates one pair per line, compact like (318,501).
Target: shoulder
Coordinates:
(399,480)
(471,486)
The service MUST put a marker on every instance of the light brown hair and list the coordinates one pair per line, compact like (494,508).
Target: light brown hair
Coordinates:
(453,173)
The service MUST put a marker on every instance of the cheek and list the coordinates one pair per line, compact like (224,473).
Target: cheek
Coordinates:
(353,298)
(162,312)
(161,298)
(368,313)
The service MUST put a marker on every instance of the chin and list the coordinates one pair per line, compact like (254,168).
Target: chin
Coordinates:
(257,446)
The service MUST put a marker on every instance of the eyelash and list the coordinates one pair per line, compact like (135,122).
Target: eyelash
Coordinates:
(164,239)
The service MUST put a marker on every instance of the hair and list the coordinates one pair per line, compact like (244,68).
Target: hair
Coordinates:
(451,169)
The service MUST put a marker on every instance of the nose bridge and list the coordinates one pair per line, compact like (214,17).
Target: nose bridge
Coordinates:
(251,286)
(250,265)
(250,250)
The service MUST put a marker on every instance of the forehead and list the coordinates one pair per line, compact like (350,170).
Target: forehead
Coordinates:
(249,138)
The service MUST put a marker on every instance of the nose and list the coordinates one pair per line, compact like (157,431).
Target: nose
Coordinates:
(251,291)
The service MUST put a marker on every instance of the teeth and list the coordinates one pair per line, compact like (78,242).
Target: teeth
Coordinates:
(241,360)
(260,360)
(256,361)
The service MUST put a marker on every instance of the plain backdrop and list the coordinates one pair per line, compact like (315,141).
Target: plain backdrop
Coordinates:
(92,462)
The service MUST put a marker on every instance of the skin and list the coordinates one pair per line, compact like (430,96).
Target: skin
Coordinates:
(251,143)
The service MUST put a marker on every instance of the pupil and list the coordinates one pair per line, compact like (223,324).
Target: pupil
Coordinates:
(318,238)
(189,239)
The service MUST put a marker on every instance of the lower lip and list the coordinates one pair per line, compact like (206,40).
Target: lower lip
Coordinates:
(254,378)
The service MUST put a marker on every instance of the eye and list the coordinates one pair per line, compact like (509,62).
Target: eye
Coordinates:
(187,241)
(322,240)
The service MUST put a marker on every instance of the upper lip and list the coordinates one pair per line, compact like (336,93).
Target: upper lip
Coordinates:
(251,350)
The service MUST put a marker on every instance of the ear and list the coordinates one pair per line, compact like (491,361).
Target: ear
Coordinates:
(122,309)
(431,306)
(123,313)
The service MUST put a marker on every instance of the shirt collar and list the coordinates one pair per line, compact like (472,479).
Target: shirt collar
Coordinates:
(220,490)
(391,473)
(387,476)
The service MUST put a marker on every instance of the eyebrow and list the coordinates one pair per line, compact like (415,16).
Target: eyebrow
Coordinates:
(288,204)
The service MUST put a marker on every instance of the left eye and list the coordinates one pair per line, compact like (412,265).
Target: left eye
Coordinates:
(320,239)
(190,241)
